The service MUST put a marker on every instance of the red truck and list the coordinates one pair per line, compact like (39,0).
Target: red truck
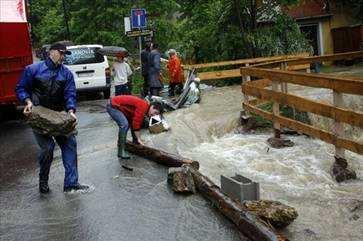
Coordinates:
(15,48)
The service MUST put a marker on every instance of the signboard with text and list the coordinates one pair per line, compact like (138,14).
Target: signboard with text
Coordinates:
(136,33)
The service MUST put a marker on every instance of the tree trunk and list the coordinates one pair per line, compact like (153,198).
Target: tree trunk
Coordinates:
(247,223)
(161,157)
(239,14)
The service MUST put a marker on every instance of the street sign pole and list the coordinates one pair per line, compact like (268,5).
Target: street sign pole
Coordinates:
(140,49)
(138,26)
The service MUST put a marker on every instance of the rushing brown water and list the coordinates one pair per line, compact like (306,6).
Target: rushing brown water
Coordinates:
(298,176)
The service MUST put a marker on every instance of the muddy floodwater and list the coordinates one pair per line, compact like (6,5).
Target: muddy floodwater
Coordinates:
(125,205)
(138,205)
(298,176)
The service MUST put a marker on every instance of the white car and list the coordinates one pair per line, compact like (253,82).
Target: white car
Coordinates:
(90,69)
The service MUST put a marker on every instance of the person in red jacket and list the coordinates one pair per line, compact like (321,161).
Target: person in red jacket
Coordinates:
(129,111)
(175,73)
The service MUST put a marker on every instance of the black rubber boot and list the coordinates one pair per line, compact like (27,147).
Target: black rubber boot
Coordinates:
(43,187)
(121,144)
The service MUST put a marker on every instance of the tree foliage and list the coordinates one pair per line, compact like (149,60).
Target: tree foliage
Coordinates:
(201,30)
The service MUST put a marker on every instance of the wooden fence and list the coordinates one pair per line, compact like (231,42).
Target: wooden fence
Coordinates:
(338,112)
(236,64)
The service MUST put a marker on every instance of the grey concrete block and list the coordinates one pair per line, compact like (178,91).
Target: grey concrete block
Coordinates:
(240,188)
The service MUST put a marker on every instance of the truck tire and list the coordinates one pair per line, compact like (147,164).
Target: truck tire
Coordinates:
(107,93)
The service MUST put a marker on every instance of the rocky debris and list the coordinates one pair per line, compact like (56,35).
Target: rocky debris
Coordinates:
(356,205)
(273,212)
(279,143)
(250,125)
(310,234)
(50,122)
(356,209)
(288,131)
(340,170)
(181,179)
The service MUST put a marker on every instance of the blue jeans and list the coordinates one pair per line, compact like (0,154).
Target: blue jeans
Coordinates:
(68,146)
(119,118)
(122,89)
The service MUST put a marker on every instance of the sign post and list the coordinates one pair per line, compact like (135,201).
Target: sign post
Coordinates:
(138,25)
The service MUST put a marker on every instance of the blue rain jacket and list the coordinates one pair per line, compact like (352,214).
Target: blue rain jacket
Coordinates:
(48,85)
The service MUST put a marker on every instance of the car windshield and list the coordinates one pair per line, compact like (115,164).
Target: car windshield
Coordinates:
(83,55)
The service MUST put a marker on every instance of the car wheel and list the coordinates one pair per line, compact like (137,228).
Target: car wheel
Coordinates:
(106,94)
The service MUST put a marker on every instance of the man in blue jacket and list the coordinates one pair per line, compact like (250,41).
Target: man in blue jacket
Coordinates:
(155,83)
(50,84)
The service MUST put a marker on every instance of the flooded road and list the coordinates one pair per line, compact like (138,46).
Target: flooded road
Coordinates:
(138,206)
(298,176)
(125,205)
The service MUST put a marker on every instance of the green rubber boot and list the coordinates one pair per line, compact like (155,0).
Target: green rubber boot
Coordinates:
(121,144)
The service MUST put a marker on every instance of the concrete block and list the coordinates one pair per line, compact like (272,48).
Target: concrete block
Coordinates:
(240,188)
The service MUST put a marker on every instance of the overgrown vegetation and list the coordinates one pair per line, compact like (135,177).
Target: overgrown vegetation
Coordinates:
(202,31)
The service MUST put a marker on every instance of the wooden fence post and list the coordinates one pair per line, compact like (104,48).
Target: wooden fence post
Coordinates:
(338,126)
(283,66)
(245,97)
(276,111)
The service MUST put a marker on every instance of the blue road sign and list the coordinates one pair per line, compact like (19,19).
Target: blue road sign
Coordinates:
(138,18)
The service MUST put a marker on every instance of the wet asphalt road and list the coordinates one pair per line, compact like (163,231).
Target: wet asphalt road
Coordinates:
(125,205)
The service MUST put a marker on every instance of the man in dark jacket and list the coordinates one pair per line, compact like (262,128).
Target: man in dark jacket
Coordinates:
(129,111)
(155,84)
(145,54)
(50,84)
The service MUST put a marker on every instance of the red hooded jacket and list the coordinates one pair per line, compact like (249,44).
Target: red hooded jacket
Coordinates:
(134,109)
(175,70)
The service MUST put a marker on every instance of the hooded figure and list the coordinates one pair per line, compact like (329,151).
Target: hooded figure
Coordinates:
(175,73)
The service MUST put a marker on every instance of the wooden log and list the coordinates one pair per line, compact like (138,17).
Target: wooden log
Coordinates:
(247,222)
(246,61)
(161,157)
(219,74)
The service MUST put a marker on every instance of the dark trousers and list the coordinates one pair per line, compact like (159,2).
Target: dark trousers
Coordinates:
(68,146)
(155,91)
(119,118)
(145,86)
(122,89)
(178,91)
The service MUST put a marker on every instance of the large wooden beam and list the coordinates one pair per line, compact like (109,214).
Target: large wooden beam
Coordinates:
(219,74)
(339,84)
(313,59)
(245,61)
(248,223)
(309,130)
(336,113)
(161,157)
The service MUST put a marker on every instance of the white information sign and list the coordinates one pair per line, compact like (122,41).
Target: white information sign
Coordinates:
(12,11)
